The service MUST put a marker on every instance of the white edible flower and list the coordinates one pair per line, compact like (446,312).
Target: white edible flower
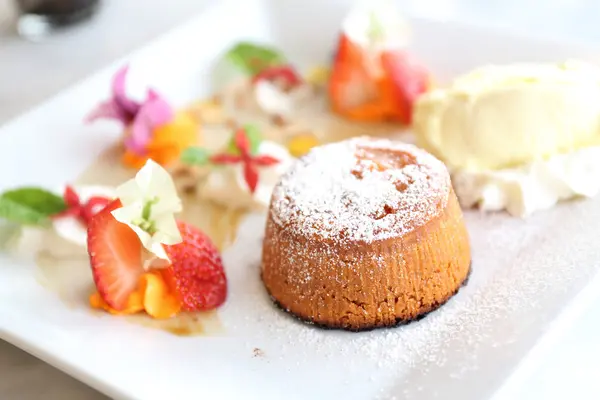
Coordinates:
(150,203)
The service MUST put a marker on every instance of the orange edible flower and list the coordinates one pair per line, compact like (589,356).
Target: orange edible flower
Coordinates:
(153,297)
(168,142)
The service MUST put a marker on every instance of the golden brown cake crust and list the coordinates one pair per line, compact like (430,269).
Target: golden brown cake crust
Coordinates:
(378,240)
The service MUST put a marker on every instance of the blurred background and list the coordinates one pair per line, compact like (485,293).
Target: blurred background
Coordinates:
(48,45)
(34,68)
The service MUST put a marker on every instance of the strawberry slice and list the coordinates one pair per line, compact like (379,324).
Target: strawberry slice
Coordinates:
(350,84)
(196,273)
(409,79)
(375,87)
(115,256)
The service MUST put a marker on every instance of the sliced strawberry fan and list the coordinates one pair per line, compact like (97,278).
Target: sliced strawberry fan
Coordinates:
(196,275)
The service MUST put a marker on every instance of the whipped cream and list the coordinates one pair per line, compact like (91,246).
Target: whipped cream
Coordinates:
(267,98)
(531,187)
(70,228)
(67,236)
(272,100)
(226,185)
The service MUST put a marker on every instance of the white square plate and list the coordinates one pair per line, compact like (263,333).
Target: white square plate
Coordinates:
(524,272)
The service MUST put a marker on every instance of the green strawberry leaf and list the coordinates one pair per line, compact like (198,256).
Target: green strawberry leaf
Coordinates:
(254,58)
(254,136)
(195,156)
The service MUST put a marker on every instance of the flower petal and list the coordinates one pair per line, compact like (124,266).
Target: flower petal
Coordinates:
(129,214)
(242,142)
(155,182)
(148,241)
(128,106)
(129,192)
(141,134)
(167,230)
(153,113)
(158,109)
(265,160)
(251,176)
(225,159)
(151,190)
(108,110)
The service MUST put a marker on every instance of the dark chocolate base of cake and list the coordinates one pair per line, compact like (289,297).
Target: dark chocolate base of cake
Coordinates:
(399,322)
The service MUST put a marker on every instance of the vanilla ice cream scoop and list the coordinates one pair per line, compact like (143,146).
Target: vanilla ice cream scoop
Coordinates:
(502,116)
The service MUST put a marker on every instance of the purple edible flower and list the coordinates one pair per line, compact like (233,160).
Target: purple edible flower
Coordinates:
(119,106)
(142,118)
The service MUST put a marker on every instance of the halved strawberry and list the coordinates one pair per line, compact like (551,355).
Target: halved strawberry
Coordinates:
(115,256)
(196,273)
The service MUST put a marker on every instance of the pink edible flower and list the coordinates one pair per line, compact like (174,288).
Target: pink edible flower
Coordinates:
(153,113)
(142,118)
(119,106)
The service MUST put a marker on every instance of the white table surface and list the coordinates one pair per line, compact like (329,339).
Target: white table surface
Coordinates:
(32,72)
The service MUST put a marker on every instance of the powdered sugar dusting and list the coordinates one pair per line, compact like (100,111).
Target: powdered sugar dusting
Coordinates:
(523,273)
(361,189)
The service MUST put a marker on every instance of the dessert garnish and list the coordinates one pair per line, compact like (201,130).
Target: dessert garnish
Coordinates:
(83,203)
(144,260)
(249,160)
(153,129)
(318,75)
(82,210)
(31,206)
(373,77)
(209,112)
(285,75)
(242,150)
(244,173)
(519,137)
(260,62)
(68,214)
(263,77)
(301,143)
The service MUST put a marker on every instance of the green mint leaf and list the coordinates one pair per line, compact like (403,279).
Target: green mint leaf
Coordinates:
(254,58)
(17,213)
(195,156)
(254,136)
(36,199)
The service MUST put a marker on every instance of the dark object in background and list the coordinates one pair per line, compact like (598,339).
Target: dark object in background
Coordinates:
(40,17)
